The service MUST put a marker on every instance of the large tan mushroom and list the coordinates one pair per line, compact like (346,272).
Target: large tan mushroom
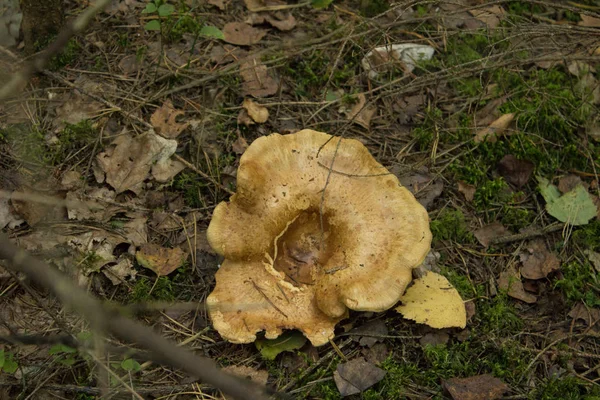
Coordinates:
(298,257)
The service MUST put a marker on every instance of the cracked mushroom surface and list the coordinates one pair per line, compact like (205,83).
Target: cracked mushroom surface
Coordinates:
(299,257)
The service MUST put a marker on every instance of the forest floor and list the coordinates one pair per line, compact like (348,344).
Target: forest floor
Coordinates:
(497,135)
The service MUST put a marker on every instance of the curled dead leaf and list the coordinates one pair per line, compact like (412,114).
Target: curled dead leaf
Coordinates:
(510,280)
(495,129)
(467,190)
(356,376)
(258,113)
(361,113)
(538,261)
(480,387)
(433,301)
(164,121)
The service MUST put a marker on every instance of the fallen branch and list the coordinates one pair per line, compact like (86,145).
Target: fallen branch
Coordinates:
(528,234)
(159,349)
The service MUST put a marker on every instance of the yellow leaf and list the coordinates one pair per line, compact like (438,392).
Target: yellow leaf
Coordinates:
(433,301)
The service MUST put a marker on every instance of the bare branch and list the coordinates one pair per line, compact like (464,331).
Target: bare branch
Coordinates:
(160,349)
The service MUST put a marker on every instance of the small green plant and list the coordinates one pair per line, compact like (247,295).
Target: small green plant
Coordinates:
(159,8)
(8,365)
(64,355)
(145,289)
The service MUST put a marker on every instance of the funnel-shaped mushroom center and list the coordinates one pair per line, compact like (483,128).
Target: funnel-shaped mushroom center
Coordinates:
(303,247)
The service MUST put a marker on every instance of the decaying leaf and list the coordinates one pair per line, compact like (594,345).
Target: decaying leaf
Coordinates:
(433,301)
(264,5)
(160,259)
(361,113)
(258,113)
(569,182)
(227,54)
(240,145)
(491,16)
(220,4)
(242,34)
(356,376)
(510,280)
(288,341)
(538,261)
(589,315)
(480,387)
(515,171)
(128,161)
(91,204)
(256,80)
(487,233)
(282,21)
(7,216)
(164,121)
(370,333)
(422,184)
(575,207)
(119,272)
(74,107)
(495,129)
(594,259)
(467,190)
(404,56)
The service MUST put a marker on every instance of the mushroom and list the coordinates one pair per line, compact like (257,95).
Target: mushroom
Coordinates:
(303,243)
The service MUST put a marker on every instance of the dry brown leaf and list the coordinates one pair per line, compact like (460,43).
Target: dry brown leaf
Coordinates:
(510,280)
(242,34)
(569,182)
(282,21)
(227,54)
(487,233)
(220,4)
(591,316)
(356,376)
(240,145)
(256,80)
(467,190)
(75,107)
(128,161)
(361,113)
(119,272)
(422,184)
(244,119)
(480,387)
(495,129)
(258,113)
(433,301)
(164,121)
(538,261)
(159,259)
(515,171)
(8,218)
(264,5)
(491,16)
(129,64)
(590,22)
(31,211)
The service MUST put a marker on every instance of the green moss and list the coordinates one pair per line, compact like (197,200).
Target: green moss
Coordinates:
(462,283)
(451,225)
(515,218)
(565,388)
(492,191)
(497,316)
(580,282)
(146,289)
(191,186)
(66,57)
(588,236)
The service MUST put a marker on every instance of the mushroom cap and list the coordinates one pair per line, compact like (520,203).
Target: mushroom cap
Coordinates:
(350,246)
